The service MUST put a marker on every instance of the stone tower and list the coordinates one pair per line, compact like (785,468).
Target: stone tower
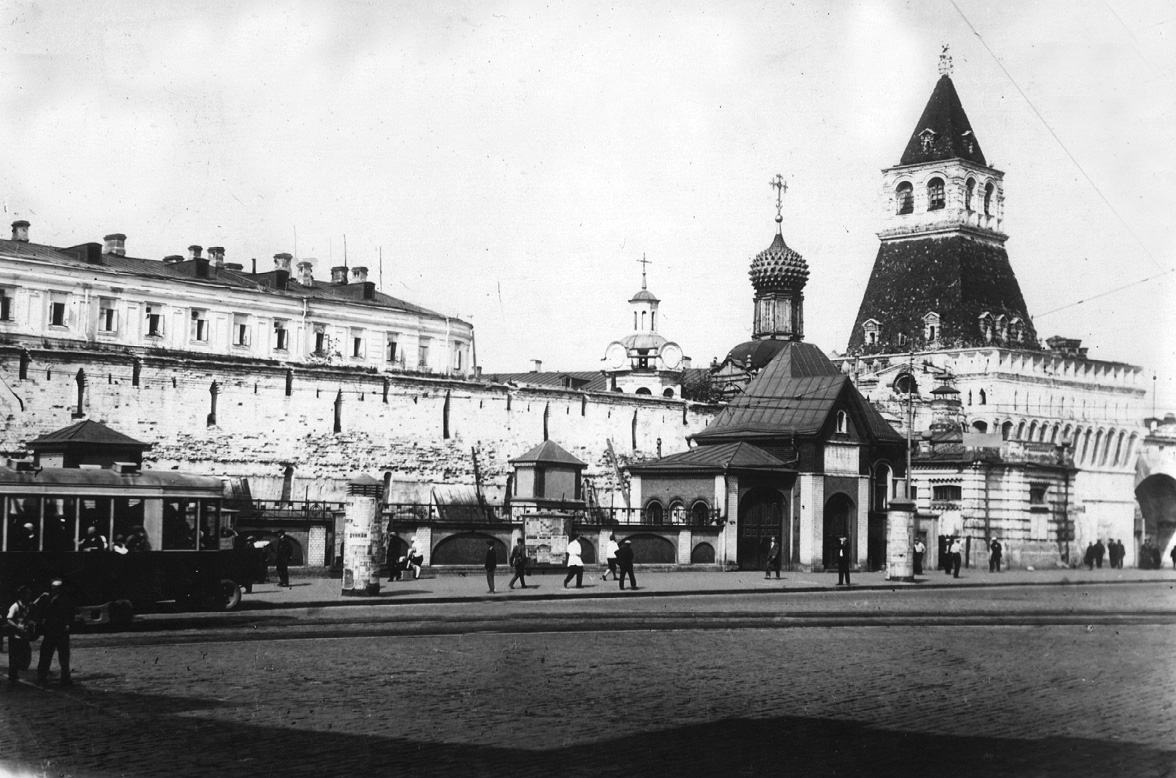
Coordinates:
(942,278)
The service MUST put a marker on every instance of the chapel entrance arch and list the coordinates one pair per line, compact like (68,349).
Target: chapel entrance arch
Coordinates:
(761,517)
(838,520)
(1156,495)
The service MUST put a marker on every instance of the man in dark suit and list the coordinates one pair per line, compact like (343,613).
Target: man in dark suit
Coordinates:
(625,564)
(995,551)
(843,562)
(282,555)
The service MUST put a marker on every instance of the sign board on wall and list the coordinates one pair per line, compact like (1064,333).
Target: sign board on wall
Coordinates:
(546,536)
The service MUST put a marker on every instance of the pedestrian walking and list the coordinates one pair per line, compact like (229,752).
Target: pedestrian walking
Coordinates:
(610,557)
(1099,552)
(394,560)
(1088,558)
(773,560)
(21,631)
(416,558)
(518,560)
(575,562)
(843,561)
(282,555)
(1173,555)
(920,551)
(491,564)
(625,564)
(957,556)
(56,614)
(995,550)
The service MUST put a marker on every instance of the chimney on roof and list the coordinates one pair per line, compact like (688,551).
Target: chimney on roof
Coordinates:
(194,252)
(281,279)
(171,259)
(116,243)
(358,275)
(536,365)
(306,272)
(339,275)
(217,255)
(234,266)
(20,231)
(201,267)
(282,262)
(369,290)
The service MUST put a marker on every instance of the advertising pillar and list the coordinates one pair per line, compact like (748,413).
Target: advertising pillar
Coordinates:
(900,540)
(364,537)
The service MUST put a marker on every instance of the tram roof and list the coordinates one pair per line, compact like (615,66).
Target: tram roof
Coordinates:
(79,479)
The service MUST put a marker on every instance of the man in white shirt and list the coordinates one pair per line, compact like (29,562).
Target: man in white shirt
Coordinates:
(416,557)
(575,563)
(920,550)
(957,556)
(610,557)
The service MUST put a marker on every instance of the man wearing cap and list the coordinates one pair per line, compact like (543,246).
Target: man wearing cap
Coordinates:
(625,564)
(57,613)
(25,540)
(843,561)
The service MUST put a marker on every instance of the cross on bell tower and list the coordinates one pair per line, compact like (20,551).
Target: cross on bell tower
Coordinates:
(644,262)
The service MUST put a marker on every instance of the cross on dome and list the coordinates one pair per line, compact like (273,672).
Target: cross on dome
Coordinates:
(781,186)
(945,61)
(644,262)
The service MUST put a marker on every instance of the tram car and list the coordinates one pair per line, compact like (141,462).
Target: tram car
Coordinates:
(122,538)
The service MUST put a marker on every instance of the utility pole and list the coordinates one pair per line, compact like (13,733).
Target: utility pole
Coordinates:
(910,419)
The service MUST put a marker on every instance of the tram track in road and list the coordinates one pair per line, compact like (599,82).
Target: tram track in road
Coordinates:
(397,625)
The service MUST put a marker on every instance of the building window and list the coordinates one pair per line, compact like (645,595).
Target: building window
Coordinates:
(988,192)
(700,513)
(935,197)
(390,354)
(983,397)
(947,493)
(240,329)
(1002,328)
(906,384)
(842,423)
(986,327)
(423,354)
(1017,330)
(320,340)
(904,195)
(654,513)
(57,313)
(154,321)
(281,336)
(457,354)
(5,305)
(902,339)
(872,329)
(969,192)
(199,326)
(357,346)
(931,327)
(677,512)
(107,316)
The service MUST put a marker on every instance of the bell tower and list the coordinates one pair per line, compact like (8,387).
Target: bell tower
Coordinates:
(778,275)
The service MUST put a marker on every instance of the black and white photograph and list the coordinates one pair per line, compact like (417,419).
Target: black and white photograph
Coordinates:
(560,388)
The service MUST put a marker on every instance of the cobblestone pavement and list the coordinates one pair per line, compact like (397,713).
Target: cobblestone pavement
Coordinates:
(960,700)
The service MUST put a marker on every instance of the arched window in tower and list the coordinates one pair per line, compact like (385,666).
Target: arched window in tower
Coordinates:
(969,192)
(902,340)
(904,195)
(1017,331)
(989,191)
(906,384)
(643,320)
(634,321)
(931,327)
(983,397)
(1006,430)
(1002,328)
(987,329)
(842,423)
(935,197)
(653,321)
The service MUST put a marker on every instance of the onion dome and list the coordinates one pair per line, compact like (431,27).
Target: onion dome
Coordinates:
(778,269)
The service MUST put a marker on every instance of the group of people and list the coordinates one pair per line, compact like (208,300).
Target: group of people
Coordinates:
(1114,551)
(25,539)
(1151,557)
(398,564)
(618,557)
(49,617)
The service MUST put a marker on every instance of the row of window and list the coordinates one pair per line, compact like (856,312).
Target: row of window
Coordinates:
(34,523)
(954,493)
(904,196)
(1000,328)
(699,512)
(155,327)
(1100,448)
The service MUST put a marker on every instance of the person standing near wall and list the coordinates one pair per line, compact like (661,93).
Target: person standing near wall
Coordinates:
(56,612)
(920,551)
(491,565)
(995,550)
(957,556)
(19,626)
(773,560)
(843,562)
(575,562)
(282,554)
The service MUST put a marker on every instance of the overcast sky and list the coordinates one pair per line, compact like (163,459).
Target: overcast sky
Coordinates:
(514,160)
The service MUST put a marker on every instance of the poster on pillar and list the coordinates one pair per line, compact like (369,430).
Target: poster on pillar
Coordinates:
(547,537)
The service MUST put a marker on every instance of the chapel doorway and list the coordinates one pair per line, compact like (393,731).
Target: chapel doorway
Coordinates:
(761,517)
(837,523)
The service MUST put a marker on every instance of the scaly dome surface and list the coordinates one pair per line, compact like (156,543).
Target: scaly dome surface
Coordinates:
(778,269)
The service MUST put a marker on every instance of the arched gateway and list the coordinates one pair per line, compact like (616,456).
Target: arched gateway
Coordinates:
(761,517)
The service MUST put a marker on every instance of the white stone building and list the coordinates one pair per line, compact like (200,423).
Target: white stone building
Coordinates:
(95,296)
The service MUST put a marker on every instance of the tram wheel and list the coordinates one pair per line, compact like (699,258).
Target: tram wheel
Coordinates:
(122,612)
(230,592)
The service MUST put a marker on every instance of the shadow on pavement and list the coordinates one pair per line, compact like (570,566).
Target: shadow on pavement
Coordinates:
(144,735)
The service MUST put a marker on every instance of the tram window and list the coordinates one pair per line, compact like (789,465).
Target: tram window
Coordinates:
(128,514)
(179,525)
(209,524)
(24,523)
(61,523)
(95,512)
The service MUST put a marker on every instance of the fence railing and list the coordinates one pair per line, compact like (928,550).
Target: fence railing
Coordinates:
(584,516)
